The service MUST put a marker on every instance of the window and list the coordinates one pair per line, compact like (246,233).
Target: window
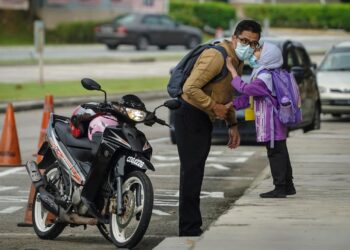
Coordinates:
(151,20)
(125,19)
(148,2)
(303,58)
(337,61)
(165,21)
(291,60)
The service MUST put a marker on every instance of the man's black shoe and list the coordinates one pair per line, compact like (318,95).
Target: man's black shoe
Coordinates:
(276,193)
(290,190)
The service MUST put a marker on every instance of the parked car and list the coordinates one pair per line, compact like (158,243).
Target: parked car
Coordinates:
(143,30)
(333,77)
(295,60)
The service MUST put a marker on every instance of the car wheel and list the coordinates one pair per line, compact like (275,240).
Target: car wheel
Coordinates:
(162,47)
(112,46)
(192,42)
(316,122)
(142,43)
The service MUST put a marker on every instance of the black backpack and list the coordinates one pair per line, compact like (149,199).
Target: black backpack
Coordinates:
(183,69)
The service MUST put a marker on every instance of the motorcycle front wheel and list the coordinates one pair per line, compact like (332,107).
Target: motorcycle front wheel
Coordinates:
(128,229)
(44,222)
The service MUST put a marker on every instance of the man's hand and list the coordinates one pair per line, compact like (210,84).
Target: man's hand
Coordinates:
(220,111)
(234,137)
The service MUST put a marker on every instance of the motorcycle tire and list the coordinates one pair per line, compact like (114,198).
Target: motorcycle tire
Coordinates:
(104,231)
(40,215)
(136,185)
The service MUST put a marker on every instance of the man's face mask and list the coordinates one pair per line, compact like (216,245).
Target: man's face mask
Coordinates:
(243,52)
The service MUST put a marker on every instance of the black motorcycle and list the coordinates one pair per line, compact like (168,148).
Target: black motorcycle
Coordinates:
(100,181)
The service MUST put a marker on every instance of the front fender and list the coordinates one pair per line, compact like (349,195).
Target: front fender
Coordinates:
(140,162)
(126,162)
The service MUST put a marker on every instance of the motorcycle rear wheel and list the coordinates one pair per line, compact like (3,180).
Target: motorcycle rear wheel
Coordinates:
(45,225)
(128,229)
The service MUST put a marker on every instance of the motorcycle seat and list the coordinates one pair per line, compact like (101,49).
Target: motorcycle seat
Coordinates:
(82,148)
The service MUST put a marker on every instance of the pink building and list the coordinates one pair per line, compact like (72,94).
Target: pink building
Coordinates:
(54,12)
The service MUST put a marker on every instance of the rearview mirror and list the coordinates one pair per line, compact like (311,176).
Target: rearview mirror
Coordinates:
(172,104)
(90,84)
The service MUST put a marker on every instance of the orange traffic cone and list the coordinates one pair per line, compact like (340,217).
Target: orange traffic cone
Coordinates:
(9,147)
(48,108)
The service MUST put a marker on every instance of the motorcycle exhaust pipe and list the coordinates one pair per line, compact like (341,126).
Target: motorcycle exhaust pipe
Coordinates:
(47,199)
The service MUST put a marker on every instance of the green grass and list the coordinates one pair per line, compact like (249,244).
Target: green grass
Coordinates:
(32,90)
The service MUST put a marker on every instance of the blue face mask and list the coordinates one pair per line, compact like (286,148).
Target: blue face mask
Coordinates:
(253,62)
(244,52)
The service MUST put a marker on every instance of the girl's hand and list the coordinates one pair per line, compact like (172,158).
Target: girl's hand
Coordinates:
(230,67)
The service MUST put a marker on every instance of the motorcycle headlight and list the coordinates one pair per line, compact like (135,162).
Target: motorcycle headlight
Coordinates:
(135,114)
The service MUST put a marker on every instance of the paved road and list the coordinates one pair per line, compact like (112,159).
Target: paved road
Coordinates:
(228,174)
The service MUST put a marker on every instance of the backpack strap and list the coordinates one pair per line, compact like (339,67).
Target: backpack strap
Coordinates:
(224,69)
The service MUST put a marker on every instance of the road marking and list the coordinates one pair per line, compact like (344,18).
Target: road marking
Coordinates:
(13,199)
(3,188)
(165,158)
(166,203)
(176,193)
(159,140)
(166,198)
(226,178)
(11,171)
(176,164)
(10,210)
(217,166)
(159,212)
(227,159)
(164,165)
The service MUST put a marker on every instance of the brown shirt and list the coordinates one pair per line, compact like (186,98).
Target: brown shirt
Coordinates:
(203,94)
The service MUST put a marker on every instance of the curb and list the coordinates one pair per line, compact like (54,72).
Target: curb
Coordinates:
(71,101)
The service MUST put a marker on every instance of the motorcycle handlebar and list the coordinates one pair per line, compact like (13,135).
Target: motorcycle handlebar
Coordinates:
(103,109)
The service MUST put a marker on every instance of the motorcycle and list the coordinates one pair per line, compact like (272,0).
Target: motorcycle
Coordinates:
(100,180)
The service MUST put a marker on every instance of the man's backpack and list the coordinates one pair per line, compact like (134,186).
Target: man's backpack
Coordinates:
(288,96)
(183,69)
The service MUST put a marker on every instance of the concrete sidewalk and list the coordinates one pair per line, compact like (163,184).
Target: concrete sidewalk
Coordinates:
(317,217)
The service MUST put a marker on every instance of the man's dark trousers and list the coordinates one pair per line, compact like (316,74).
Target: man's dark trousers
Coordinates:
(193,137)
(281,168)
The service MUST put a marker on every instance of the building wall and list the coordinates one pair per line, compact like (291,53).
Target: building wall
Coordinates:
(54,12)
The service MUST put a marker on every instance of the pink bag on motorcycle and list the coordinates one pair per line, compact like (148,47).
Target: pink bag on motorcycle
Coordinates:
(99,124)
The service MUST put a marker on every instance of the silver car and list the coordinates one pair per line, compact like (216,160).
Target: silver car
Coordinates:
(333,79)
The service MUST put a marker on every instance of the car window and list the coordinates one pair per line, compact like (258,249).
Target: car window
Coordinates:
(125,19)
(151,20)
(165,21)
(302,57)
(290,59)
(337,60)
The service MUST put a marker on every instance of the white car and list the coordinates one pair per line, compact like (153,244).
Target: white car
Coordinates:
(333,79)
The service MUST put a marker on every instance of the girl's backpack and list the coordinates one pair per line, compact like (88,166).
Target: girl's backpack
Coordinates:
(288,96)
